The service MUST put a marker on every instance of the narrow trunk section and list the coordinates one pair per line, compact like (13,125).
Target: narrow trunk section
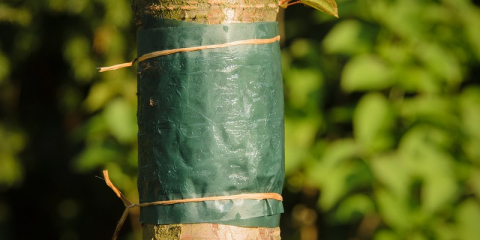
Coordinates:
(151,14)
(208,231)
(207,11)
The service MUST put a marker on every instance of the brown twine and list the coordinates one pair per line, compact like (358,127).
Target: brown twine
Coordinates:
(188,49)
(128,205)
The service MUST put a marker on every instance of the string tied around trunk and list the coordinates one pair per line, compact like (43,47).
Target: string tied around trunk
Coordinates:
(128,204)
(188,49)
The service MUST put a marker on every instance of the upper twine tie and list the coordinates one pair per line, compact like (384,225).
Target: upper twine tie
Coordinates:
(128,204)
(188,49)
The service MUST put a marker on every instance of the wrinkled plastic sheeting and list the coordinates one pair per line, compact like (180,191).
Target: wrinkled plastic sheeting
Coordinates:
(211,123)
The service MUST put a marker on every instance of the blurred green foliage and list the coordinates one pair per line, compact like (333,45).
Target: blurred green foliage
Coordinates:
(382,119)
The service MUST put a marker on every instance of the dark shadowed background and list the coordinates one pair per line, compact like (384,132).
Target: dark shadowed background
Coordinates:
(382,120)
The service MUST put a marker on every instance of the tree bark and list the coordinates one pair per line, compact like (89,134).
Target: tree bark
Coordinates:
(206,12)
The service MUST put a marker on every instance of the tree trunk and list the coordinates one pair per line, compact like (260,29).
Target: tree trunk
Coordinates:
(150,14)
(207,11)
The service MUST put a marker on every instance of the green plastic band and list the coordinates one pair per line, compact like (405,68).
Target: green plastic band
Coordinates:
(210,124)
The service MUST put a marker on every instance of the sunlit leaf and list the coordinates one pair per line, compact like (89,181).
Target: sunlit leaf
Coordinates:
(416,79)
(441,62)
(301,86)
(77,52)
(96,156)
(443,230)
(438,191)
(429,108)
(471,21)
(474,181)
(393,174)
(120,118)
(118,13)
(354,208)
(349,37)
(470,110)
(386,235)
(327,6)
(337,152)
(372,123)
(99,94)
(300,48)
(334,185)
(434,167)
(366,72)
(395,211)
(332,172)
(467,218)
(299,137)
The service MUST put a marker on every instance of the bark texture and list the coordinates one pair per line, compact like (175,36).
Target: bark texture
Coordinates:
(208,231)
(207,12)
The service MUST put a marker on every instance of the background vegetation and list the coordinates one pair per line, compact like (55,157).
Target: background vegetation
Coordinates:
(382,120)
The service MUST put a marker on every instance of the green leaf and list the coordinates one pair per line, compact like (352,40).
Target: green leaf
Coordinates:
(301,85)
(470,110)
(99,94)
(383,234)
(77,51)
(392,173)
(470,17)
(438,110)
(394,211)
(468,217)
(470,119)
(334,186)
(438,191)
(21,16)
(474,181)
(366,72)
(350,37)
(331,174)
(121,121)
(338,152)
(372,123)
(300,48)
(354,208)
(336,155)
(299,137)
(11,171)
(96,156)
(443,63)
(443,230)
(424,156)
(11,143)
(327,6)
(417,79)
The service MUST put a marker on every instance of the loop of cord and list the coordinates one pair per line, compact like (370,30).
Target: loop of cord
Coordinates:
(188,49)
(128,204)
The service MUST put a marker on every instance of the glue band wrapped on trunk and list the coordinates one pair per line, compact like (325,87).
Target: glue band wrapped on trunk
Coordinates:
(210,124)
